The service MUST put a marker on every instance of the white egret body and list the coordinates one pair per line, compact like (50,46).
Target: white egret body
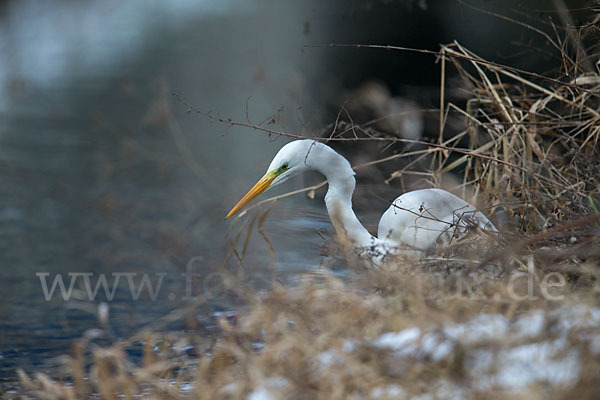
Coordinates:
(416,223)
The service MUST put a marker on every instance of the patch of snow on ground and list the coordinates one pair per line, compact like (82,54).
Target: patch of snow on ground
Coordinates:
(260,393)
(512,361)
(389,391)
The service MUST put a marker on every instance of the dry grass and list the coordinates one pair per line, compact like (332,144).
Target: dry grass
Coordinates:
(529,152)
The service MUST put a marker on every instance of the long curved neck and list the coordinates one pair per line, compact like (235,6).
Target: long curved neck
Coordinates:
(338,199)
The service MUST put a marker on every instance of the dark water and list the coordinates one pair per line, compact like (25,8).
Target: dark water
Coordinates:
(104,173)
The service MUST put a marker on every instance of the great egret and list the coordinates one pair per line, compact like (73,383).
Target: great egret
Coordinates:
(416,223)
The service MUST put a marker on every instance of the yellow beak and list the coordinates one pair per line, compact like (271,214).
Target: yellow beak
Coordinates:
(263,184)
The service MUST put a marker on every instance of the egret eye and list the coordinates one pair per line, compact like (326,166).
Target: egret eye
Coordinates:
(284,167)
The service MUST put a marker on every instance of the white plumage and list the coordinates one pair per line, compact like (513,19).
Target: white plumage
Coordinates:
(415,224)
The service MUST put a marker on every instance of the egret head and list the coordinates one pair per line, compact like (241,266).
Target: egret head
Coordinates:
(292,159)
